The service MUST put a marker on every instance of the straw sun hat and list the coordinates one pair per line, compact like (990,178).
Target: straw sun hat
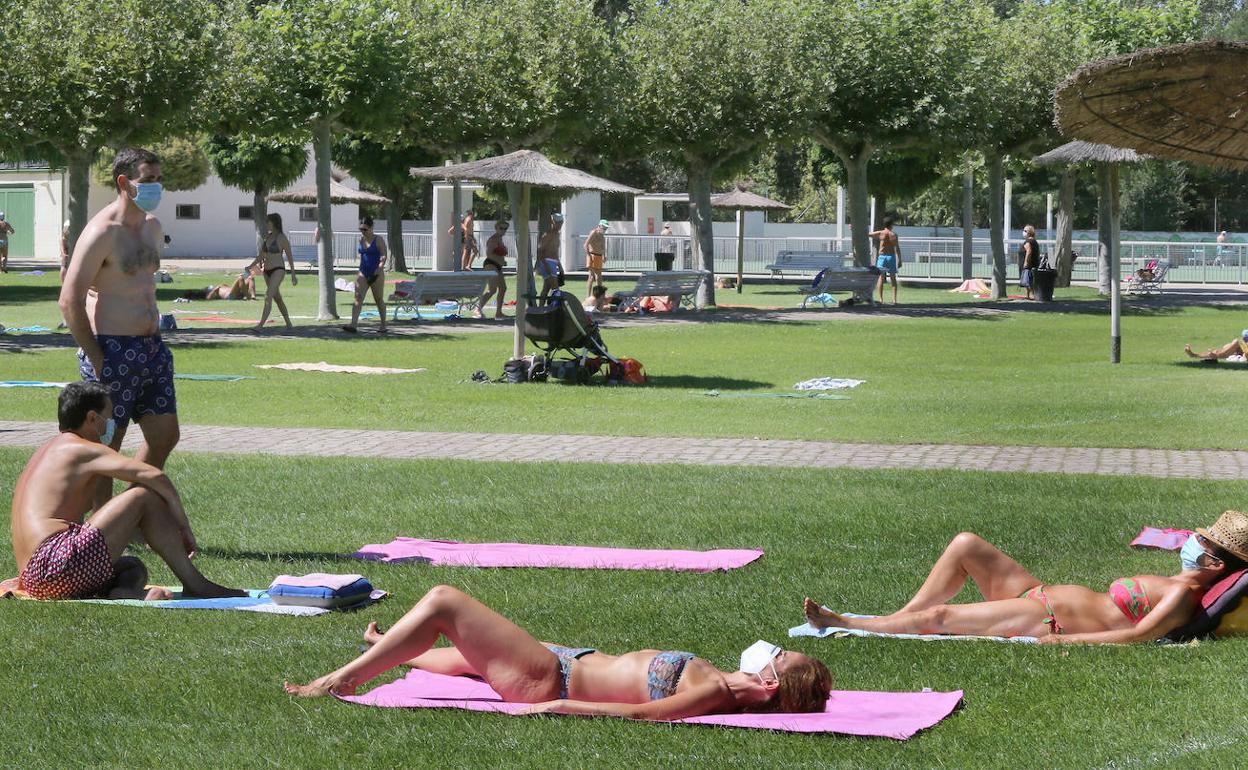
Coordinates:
(1230,532)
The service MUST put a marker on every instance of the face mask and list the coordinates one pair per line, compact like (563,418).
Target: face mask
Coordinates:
(110,427)
(1189,555)
(759,656)
(147,195)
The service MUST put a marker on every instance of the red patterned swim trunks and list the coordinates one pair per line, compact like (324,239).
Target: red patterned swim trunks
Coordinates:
(73,564)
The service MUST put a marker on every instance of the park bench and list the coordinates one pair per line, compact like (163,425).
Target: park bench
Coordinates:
(463,287)
(859,281)
(1149,279)
(805,262)
(666,283)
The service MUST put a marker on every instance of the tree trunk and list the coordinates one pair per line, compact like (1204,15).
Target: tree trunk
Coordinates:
(700,224)
(321,140)
(518,197)
(260,213)
(855,161)
(996,221)
(394,231)
(968,221)
(1066,226)
(79,172)
(1104,228)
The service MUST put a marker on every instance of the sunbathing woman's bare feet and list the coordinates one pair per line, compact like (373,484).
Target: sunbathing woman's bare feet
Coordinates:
(372,634)
(818,617)
(1203,356)
(158,594)
(329,684)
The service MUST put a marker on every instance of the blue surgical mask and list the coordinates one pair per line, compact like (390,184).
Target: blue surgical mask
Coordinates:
(1189,555)
(110,428)
(147,195)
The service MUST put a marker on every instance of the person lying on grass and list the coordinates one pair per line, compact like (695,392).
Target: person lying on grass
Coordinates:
(1236,347)
(647,684)
(242,288)
(60,556)
(1143,608)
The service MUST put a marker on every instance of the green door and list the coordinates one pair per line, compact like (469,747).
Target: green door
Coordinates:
(18,204)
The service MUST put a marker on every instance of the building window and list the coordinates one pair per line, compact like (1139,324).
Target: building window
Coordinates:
(187,211)
(307,213)
(245,213)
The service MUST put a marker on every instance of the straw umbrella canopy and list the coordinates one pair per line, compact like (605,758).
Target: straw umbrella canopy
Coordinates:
(1183,101)
(521,171)
(338,194)
(742,201)
(1107,159)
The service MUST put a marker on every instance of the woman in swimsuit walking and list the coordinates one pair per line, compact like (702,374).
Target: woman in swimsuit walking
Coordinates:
(1143,608)
(496,260)
(647,684)
(274,252)
(372,274)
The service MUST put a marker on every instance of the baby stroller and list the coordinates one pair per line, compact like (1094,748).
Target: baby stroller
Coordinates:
(561,327)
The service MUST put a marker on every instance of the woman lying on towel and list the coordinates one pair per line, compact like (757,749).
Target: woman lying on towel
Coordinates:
(647,684)
(1143,608)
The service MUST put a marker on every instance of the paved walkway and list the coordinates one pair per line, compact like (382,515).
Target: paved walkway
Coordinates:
(319,442)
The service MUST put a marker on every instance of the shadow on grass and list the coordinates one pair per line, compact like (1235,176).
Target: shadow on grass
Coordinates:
(1193,363)
(16,294)
(690,382)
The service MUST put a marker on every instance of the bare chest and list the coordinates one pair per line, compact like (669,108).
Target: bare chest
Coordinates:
(134,253)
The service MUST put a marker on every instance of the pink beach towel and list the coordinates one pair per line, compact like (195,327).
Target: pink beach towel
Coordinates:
(896,715)
(451,553)
(1165,539)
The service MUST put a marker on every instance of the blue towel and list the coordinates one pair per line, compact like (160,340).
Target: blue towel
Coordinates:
(31,384)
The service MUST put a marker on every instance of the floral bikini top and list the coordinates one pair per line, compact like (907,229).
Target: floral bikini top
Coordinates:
(1129,595)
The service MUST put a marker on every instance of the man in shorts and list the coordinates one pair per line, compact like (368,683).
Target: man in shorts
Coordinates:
(6,230)
(548,265)
(595,255)
(888,262)
(60,555)
(108,300)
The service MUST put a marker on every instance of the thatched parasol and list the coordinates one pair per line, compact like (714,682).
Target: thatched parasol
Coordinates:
(521,171)
(1107,159)
(1183,101)
(338,194)
(744,200)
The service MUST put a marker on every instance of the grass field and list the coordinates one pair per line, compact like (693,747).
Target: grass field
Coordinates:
(1015,378)
(117,687)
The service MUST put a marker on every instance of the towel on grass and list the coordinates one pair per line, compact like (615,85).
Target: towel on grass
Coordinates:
(31,384)
(897,715)
(827,383)
(972,286)
(256,600)
(807,629)
(1165,539)
(812,394)
(451,553)
(212,377)
(36,329)
(321,366)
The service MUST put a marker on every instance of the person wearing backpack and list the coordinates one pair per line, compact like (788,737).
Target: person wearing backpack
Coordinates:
(1029,259)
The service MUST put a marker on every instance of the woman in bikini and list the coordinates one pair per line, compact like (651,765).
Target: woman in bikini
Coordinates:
(274,252)
(1143,608)
(496,260)
(372,274)
(647,684)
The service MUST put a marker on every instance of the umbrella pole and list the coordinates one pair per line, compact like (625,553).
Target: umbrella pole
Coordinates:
(740,248)
(1115,259)
(518,195)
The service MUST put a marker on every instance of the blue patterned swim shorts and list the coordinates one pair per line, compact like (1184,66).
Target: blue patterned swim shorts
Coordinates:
(139,374)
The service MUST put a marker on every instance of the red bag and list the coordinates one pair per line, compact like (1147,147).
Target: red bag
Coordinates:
(634,373)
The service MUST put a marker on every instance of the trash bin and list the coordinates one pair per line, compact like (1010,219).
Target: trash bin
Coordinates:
(663,260)
(1044,279)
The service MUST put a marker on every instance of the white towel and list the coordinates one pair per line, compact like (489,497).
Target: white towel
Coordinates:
(827,383)
(807,629)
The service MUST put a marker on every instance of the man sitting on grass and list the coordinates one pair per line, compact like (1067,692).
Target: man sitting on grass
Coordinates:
(59,555)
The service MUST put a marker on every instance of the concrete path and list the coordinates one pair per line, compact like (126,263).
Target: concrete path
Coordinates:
(320,442)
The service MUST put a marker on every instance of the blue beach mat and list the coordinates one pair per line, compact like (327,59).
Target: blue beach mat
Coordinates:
(804,394)
(257,600)
(212,377)
(36,329)
(31,384)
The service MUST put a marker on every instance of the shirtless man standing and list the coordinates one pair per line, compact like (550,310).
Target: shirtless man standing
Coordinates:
(548,265)
(108,300)
(60,556)
(889,259)
(6,229)
(595,255)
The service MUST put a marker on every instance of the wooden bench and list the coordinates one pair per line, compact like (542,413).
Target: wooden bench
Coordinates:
(859,281)
(805,262)
(665,283)
(463,287)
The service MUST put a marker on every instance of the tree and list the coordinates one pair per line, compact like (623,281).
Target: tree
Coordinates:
(327,65)
(385,169)
(888,74)
(1154,196)
(183,165)
(257,165)
(712,83)
(80,75)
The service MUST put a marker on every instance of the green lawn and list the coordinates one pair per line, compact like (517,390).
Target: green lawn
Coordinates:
(115,687)
(1031,377)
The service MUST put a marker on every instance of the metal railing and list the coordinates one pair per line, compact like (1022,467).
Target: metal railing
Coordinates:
(417,248)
